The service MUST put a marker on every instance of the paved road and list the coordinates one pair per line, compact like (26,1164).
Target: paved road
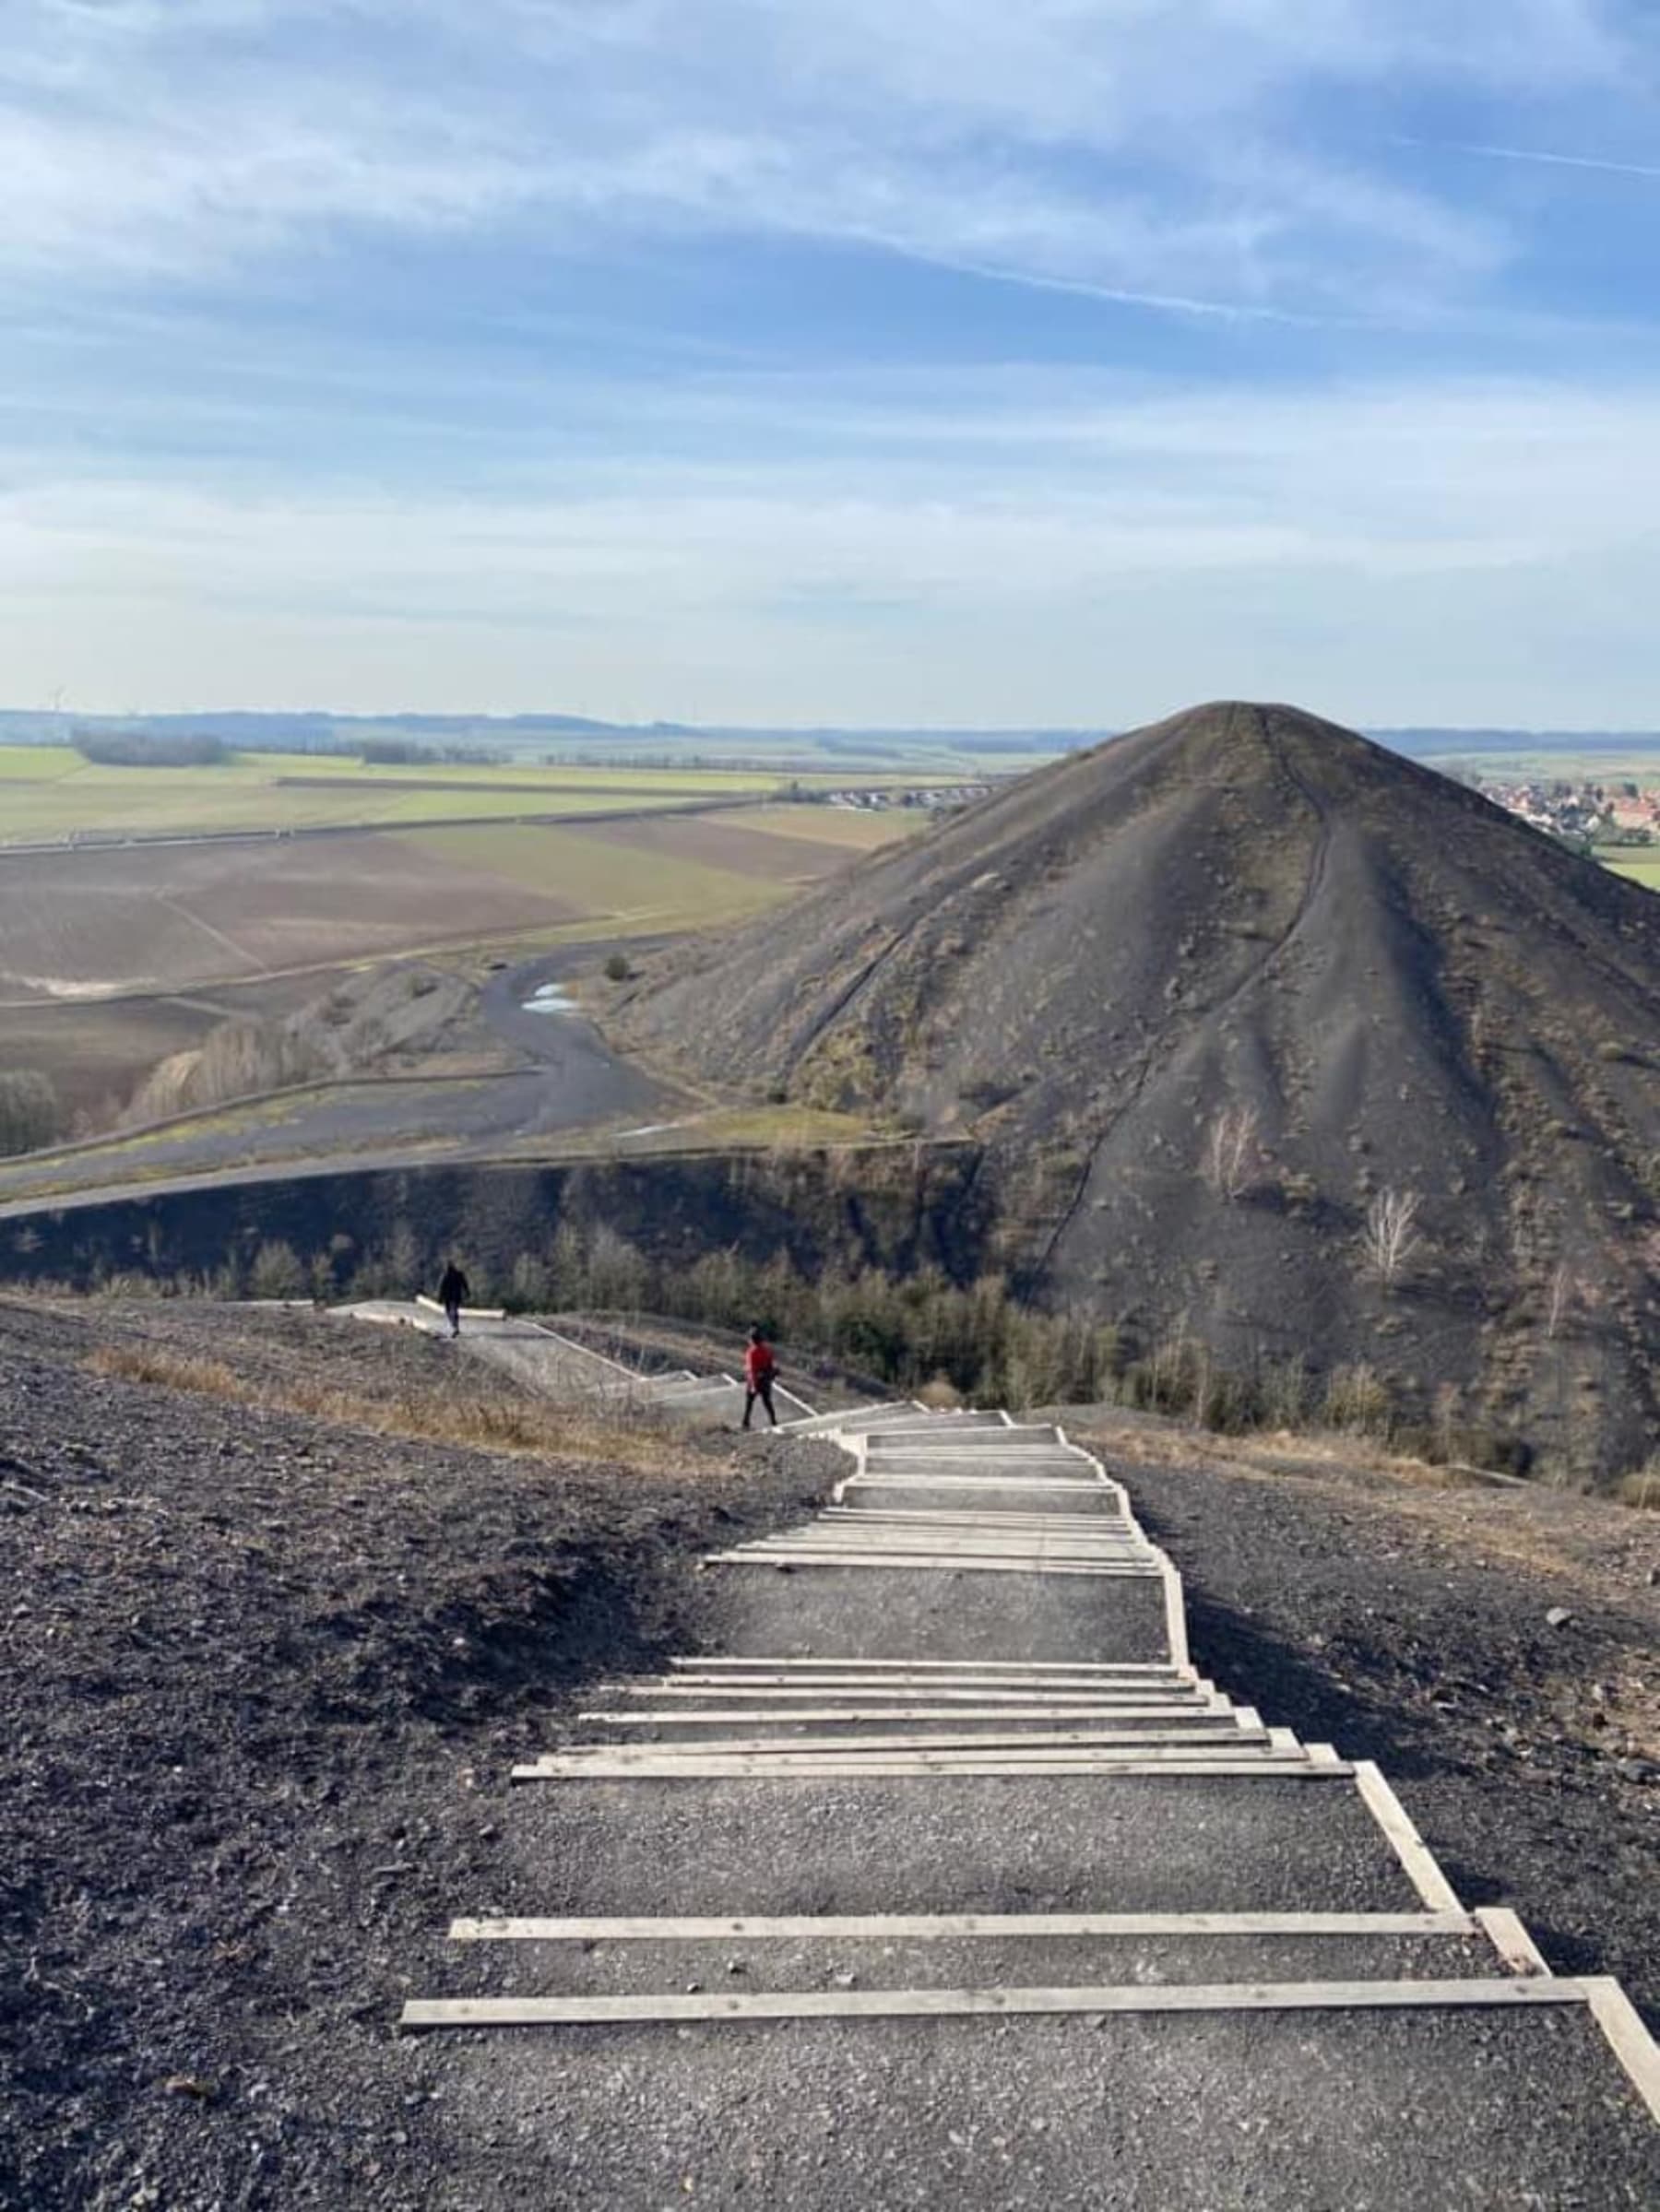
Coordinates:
(573,1082)
(936,1874)
(87,844)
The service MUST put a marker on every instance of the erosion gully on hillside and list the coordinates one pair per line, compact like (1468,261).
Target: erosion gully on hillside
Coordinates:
(265,1669)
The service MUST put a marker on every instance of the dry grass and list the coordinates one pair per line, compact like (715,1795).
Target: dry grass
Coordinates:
(1643,1489)
(1278,1451)
(1586,1544)
(472,1413)
(942,1394)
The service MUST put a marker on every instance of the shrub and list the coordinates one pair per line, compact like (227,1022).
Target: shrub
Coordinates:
(1642,1488)
(617,969)
(29,1114)
(1357,1398)
(238,1059)
(276,1273)
(136,749)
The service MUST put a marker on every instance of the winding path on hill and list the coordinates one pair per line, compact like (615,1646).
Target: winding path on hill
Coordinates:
(938,1875)
(573,1082)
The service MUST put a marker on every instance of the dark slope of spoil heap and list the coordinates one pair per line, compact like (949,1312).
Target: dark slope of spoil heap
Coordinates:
(1206,993)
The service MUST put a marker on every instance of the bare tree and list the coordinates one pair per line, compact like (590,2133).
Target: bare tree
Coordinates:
(1231,1151)
(1391,1234)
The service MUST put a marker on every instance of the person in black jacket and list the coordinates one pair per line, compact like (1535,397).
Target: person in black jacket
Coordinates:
(454,1291)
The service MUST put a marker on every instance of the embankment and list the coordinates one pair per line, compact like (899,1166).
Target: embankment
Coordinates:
(895,1207)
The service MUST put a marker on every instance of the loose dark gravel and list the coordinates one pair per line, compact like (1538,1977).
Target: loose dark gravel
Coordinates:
(1415,1629)
(263,1678)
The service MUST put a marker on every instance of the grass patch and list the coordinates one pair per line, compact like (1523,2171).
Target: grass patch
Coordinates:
(469,1410)
(52,791)
(611,878)
(829,825)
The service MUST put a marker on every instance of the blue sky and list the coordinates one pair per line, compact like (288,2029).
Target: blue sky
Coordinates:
(833,360)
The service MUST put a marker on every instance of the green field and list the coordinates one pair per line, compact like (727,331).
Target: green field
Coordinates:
(1639,764)
(641,890)
(50,792)
(835,825)
(1642,865)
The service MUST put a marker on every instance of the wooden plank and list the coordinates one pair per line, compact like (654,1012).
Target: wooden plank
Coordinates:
(967,1566)
(726,1685)
(842,1520)
(972,1436)
(1010,1557)
(970,1516)
(1626,2037)
(683,1684)
(1019,1462)
(942,1666)
(891,1543)
(990,1544)
(468,1313)
(1173,1696)
(850,1754)
(923,1536)
(1514,1945)
(1409,1847)
(1175,1635)
(823,1767)
(752,1716)
(876,1927)
(948,2004)
(1219,1730)
(1069,1484)
(1157,1746)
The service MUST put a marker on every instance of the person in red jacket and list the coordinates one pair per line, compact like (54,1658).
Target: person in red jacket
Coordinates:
(759,1368)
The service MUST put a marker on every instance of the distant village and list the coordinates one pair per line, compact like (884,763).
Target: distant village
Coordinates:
(1583,812)
(875,800)
(1588,813)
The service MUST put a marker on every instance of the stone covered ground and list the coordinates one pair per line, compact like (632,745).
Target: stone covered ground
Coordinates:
(274,1630)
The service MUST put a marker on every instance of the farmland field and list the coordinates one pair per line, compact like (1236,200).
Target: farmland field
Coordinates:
(596,876)
(50,792)
(830,825)
(733,843)
(140,917)
(115,957)
(97,919)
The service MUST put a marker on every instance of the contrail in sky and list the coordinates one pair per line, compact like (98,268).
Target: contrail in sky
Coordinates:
(1527,153)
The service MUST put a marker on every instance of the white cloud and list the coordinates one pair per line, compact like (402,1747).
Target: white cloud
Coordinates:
(1391,554)
(1124,144)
